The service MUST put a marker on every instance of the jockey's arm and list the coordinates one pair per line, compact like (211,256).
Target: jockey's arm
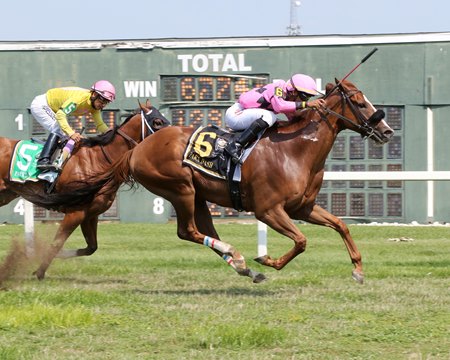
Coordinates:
(279,104)
(61,117)
(99,123)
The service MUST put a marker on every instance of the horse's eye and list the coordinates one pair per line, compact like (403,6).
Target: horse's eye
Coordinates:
(362,105)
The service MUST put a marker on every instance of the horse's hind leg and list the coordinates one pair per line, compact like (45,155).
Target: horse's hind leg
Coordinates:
(67,226)
(205,224)
(278,220)
(187,230)
(320,216)
(89,229)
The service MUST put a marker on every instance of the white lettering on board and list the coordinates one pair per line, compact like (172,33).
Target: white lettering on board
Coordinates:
(213,63)
(319,85)
(140,88)
(19,121)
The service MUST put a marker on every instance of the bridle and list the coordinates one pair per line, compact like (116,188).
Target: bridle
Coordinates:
(364,126)
(146,130)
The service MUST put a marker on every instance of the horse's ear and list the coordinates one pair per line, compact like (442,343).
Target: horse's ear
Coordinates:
(336,80)
(148,104)
(328,88)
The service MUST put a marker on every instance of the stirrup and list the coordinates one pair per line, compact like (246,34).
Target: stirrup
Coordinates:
(48,167)
(49,176)
(235,151)
(236,158)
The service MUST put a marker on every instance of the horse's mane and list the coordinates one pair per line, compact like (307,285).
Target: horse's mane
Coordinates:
(105,138)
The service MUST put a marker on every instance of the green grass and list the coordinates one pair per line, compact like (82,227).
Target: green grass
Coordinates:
(145,294)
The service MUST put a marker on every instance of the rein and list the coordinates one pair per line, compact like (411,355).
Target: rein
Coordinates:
(365,129)
(130,141)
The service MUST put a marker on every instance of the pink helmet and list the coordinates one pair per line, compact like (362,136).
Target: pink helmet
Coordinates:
(105,89)
(303,83)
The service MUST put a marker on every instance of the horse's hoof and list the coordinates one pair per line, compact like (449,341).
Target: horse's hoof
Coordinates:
(262,259)
(358,277)
(258,277)
(39,274)
(244,272)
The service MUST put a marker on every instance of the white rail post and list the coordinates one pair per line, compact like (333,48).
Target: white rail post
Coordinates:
(262,239)
(29,227)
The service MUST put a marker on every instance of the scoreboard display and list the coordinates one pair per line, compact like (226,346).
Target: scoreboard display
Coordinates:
(208,88)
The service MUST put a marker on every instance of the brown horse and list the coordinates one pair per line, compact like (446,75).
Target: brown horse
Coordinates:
(93,155)
(280,179)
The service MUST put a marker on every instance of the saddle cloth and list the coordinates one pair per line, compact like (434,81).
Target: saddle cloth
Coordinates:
(205,152)
(23,162)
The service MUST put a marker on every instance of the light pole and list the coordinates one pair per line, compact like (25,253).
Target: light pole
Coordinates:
(294,28)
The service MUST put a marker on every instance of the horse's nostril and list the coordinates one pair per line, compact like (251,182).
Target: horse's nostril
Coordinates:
(388,133)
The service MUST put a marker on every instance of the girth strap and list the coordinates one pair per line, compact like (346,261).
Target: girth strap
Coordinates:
(235,191)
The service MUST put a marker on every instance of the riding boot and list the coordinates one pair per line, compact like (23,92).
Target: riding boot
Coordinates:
(234,148)
(44,161)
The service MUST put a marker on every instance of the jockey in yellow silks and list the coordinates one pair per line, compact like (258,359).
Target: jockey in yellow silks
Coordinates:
(52,108)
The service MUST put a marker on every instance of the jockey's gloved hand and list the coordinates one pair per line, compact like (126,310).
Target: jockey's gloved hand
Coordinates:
(76,137)
(316,104)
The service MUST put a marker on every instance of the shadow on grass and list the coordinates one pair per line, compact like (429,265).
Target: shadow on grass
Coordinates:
(229,292)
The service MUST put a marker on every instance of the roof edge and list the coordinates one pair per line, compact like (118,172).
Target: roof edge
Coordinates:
(255,41)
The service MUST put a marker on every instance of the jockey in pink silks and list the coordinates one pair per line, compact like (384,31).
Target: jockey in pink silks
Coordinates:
(257,109)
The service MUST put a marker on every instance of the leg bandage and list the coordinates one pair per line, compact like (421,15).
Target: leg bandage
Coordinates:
(217,245)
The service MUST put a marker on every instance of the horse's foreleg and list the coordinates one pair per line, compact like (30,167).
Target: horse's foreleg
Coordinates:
(278,220)
(89,229)
(320,216)
(67,226)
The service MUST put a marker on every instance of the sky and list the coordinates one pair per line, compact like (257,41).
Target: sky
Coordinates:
(32,20)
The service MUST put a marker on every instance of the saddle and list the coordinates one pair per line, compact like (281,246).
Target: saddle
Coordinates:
(205,152)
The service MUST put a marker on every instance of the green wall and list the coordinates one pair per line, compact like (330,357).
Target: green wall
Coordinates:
(411,74)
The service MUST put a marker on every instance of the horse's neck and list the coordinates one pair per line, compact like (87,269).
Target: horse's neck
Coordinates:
(316,129)
(125,138)
(307,141)
(133,128)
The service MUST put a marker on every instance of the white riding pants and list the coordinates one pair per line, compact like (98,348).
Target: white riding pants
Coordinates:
(238,118)
(44,115)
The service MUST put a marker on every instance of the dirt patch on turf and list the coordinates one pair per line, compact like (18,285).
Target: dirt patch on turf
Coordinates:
(19,261)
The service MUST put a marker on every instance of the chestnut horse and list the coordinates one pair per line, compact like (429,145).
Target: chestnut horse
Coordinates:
(95,154)
(280,179)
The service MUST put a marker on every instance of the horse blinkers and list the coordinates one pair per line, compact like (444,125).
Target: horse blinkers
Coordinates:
(155,119)
(375,118)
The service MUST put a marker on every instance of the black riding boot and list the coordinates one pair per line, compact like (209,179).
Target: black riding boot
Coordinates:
(44,162)
(234,148)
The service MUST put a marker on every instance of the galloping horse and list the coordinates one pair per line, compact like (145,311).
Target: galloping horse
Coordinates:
(94,154)
(280,179)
